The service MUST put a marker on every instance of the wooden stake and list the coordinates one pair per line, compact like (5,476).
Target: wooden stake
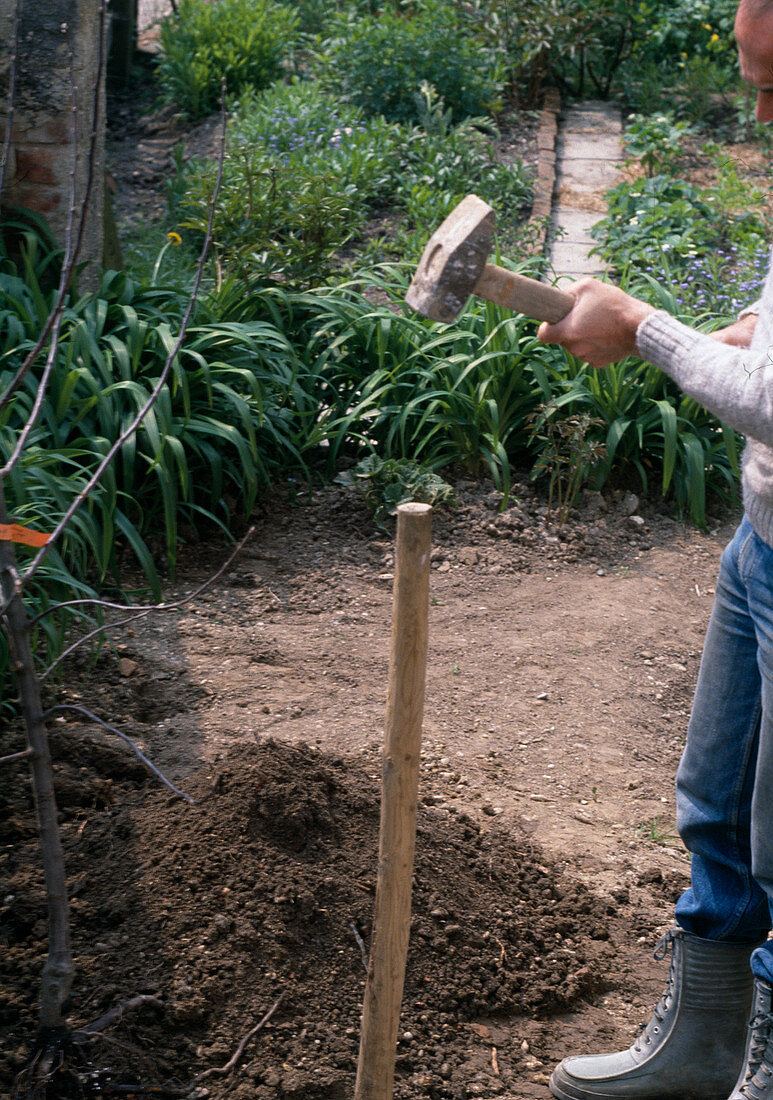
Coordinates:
(399,792)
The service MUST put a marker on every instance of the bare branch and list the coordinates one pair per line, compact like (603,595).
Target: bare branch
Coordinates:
(87,638)
(16,756)
(56,979)
(153,606)
(24,434)
(131,429)
(115,1015)
(141,611)
(124,737)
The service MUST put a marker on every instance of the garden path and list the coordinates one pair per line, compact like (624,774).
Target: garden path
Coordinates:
(589,151)
(149,12)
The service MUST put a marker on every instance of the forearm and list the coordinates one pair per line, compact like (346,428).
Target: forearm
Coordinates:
(731,374)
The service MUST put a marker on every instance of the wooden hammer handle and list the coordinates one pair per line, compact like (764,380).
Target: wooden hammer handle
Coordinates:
(522,295)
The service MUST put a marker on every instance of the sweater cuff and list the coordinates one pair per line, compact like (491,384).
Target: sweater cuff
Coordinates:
(662,340)
(753,308)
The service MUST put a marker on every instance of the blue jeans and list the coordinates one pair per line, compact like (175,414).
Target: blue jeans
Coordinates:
(724,786)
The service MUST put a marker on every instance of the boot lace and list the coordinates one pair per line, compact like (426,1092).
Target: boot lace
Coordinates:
(652,1029)
(760,1064)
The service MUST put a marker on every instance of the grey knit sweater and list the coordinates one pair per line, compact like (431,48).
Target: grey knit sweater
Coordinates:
(736,384)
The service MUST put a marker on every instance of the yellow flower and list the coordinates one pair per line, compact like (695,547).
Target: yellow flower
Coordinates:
(714,38)
(706,26)
(174,238)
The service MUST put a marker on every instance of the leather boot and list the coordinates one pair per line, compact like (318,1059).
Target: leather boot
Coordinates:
(693,1047)
(756,1080)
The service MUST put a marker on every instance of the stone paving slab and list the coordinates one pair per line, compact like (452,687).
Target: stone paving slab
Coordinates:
(576,224)
(597,115)
(572,261)
(588,173)
(584,146)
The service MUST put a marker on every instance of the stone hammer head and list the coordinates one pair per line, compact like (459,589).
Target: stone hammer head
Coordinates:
(453,261)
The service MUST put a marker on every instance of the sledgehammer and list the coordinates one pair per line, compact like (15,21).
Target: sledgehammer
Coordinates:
(453,266)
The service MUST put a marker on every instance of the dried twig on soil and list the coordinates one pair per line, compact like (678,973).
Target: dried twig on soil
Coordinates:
(360,943)
(124,737)
(240,1049)
(140,610)
(15,756)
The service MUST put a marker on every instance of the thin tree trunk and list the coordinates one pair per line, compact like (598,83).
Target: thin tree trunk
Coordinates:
(58,970)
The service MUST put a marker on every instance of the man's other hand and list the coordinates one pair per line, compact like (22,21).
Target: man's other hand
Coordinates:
(739,334)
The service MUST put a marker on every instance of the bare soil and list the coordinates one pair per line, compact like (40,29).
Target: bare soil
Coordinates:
(561,665)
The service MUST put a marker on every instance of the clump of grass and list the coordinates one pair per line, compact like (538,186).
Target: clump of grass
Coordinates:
(658,831)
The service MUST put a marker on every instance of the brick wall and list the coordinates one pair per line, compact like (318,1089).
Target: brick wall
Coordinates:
(51,114)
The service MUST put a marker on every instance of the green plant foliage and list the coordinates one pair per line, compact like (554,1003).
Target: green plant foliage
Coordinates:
(707,246)
(685,29)
(235,411)
(594,47)
(279,219)
(568,455)
(651,215)
(389,482)
(300,173)
(440,395)
(380,62)
(304,171)
(447,163)
(240,41)
(656,141)
(644,424)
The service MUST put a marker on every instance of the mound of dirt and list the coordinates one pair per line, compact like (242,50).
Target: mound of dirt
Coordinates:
(264,889)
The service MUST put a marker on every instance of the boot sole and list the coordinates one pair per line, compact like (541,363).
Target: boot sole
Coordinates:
(563,1089)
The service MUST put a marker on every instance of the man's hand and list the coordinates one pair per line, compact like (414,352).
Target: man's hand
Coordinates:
(738,335)
(601,326)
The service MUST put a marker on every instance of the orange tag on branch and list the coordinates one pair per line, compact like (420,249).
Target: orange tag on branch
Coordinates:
(14,532)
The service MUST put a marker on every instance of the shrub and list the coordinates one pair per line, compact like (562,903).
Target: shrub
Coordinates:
(379,63)
(387,483)
(656,141)
(652,215)
(280,219)
(707,245)
(596,46)
(448,161)
(299,174)
(301,124)
(304,171)
(202,43)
